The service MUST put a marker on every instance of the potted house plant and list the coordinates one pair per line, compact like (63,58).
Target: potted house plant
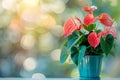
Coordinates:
(86,45)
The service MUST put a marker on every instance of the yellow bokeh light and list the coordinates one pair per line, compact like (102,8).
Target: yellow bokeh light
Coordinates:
(75,73)
(113,2)
(57,30)
(46,20)
(22,6)
(31,2)
(47,42)
(27,41)
(30,14)
(57,6)
(9,4)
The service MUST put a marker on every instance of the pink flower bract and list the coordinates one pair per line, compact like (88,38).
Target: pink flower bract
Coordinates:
(71,25)
(109,30)
(94,39)
(89,19)
(105,19)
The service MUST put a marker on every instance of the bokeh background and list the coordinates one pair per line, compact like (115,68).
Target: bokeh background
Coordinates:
(31,35)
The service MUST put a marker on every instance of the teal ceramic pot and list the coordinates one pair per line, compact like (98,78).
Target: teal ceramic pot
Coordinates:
(90,66)
(89,79)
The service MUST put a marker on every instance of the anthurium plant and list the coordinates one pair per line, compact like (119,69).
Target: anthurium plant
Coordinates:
(83,37)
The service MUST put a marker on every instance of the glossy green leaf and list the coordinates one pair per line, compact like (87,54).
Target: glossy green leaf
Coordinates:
(81,53)
(107,43)
(98,31)
(91,27)
(74,55)
(73,39)
(64,54)
(99,50)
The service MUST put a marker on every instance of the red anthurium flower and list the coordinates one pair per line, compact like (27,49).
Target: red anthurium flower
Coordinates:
(94,39)
(79,27)
(105,19)
(89,8)
(109,30)
(71,25)
(78,23)
(89,19)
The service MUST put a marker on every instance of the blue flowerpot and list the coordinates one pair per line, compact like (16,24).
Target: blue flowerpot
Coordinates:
(89,79)
(90,66)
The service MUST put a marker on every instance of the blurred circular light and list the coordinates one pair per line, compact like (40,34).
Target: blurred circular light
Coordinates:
(27,41)
(113,2)
(15,24)
(19,58)
(55,55)
(38,75)
(58,6)
(8,4)
(5,19)
(47,42)
(57,30)
(14,34)
(46,20)
(31,2)
(29,64)
(75,73)
(29,26)
(30,14)
(45,5)
(41,30)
